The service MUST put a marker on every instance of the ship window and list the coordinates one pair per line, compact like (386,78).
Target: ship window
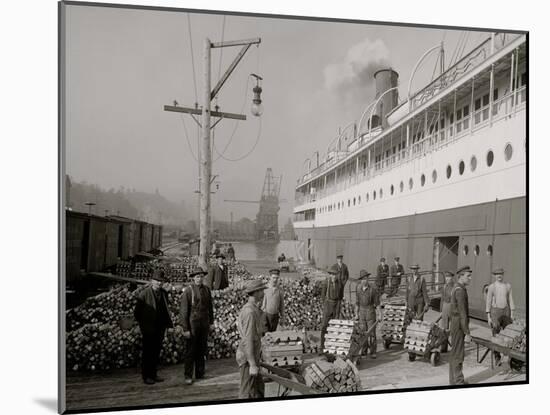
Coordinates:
(459,115)
(422,180)
(353,201)
(338,205)
(411,183)
(381,193)
(391,189)
(374,195)
(461,167)
(359,200)
(473,163)
(465,250)
(367,197)
(476,250)
(434,176)
(466,110)
(477,104)
(449,171)
(485,100)
(349,203)
(508,151)
(401,186)
(495,94)
(490,250)
(490,158)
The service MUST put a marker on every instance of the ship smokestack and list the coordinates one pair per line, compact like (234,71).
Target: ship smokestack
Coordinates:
(385,79)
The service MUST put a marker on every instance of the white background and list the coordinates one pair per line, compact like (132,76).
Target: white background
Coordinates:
(28,100)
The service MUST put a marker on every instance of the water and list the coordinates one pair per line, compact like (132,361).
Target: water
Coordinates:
(265,251)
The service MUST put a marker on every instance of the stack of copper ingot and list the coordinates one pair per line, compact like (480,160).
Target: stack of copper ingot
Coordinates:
(342,336)
(339,376)
(421,337)
(283,348)
(513,336)
(394,322)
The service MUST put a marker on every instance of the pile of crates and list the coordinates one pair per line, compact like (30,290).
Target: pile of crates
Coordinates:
(283,348)
(394,322)
(342,337)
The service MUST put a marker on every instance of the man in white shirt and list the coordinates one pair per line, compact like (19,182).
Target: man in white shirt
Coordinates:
(273,303)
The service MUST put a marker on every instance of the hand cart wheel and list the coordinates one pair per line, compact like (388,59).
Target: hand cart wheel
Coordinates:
(412,357)
(435,358)
(515,364)
(387,343)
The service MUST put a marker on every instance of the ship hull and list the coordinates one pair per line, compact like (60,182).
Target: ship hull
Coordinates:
(483,236)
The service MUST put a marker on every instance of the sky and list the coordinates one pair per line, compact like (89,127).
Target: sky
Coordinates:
(124,65)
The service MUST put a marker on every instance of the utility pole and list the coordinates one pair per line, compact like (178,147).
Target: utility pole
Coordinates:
(206,113)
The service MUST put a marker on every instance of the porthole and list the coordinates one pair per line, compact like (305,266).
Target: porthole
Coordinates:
(374,195)
(359,200)
(422,180)
(381,193)
(434,176)
(508,151)
(465,250)
(490,250)
(476,250)
(338,205)
(411,183)
(353,201)
(401,186)
(349,203)
(461,167)
(449,171)
(391,189)
(473,163)
(367,197)
(490,158)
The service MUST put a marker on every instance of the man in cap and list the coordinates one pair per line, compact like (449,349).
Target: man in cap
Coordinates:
(396,272)
(460,330)
(250,326)
(343,276)
(417,299)
(231,253)
(330,297)
(151,313)
(499,305)
(217,275)
(367,307)
(196,318)
(444,322)
(382,272)
(273,303)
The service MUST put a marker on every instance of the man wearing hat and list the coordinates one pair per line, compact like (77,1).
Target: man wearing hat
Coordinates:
(417,299)
(250,326)
(460,330)
(273,303)
(196,317)
(151,313)
(396,272)
(343,276)
(330,297)
(367,307)
(444,322)
(382,272)
(499,305)
(217,275)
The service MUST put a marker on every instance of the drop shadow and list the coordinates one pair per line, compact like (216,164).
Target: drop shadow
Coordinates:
(48,403)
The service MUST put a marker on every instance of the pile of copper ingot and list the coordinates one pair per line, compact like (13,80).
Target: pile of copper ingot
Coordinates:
(339,376)
(421,337)
(283,348)
(513,336)
(341,337)
(394,321)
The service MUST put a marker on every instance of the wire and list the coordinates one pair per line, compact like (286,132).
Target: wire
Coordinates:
(187,138)
(192,56)
(253,147)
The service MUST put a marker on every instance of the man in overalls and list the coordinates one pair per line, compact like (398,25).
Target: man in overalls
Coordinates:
(417,299)
(460,330)
(445,321)
(330,297)
(196,317)
(367,308)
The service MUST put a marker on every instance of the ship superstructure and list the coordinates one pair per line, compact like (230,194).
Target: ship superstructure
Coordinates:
(438,179)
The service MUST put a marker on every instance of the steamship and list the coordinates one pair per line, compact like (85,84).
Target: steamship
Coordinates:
(438,178)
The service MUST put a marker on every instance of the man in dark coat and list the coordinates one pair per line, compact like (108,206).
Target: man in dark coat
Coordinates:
(382,272)
(330,297)
(217,275)
(153,317)
(460,330)
(367,307)
(396,272)
(343,276)
(196,317)
(417,299)
(445,321)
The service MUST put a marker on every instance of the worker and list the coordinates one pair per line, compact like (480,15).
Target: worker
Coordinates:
(382,272)
(249,324)
(444,322)
(217,274)
(367,308)
(330,298)
(196,318)
(281,258)
(499,306)
(460,330)
(343,276)
(273,304)
(417,300)
(396,272)
(231,253)
(151,313)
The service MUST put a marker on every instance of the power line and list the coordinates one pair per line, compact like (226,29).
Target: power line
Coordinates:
(192,56)
(187,139)
(253,147)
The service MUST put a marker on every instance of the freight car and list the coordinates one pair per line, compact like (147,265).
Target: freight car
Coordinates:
(94,243)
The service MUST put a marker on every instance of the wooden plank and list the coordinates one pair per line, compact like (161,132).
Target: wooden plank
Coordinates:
(298,387)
